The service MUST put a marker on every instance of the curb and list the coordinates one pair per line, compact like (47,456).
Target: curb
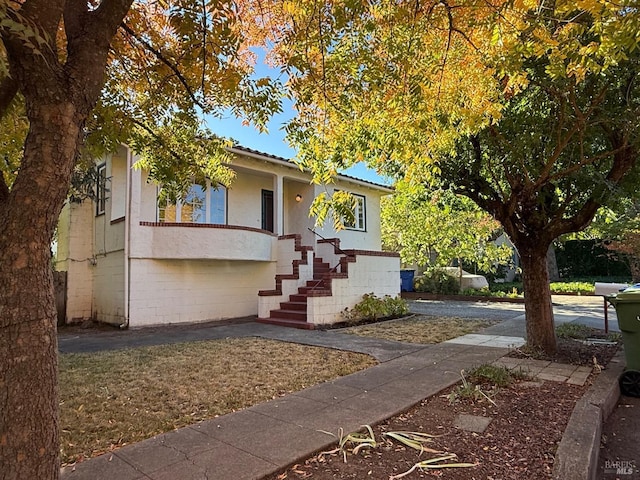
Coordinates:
(458,298)
(579,449)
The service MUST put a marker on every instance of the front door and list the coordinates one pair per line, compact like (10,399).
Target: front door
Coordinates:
(267,210)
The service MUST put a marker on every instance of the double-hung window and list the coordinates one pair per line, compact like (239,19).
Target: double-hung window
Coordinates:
(359,214)
(200,205)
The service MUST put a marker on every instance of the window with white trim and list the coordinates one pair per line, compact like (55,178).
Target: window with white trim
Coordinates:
(200,205)
(359,214)
(101,189)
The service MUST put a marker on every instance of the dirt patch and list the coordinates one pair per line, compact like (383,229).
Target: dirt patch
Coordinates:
(527,423)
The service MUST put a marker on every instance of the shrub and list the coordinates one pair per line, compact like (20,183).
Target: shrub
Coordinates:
(495,375)
(437,281)
(485,292)
(373,308)
(579,288)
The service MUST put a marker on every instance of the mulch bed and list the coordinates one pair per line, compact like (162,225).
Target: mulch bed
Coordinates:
(573,352)
(527,425)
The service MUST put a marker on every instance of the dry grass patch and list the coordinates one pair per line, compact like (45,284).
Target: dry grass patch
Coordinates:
(110,399)
(421,328)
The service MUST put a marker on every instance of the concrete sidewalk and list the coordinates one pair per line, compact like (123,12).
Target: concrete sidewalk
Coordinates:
(265,438)
(262,439)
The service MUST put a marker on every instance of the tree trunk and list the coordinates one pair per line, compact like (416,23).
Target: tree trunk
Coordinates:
(537,298)
(552,264)
(28,342)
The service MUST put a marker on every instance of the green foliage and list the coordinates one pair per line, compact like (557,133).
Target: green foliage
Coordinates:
(493,374)
(486,292)
(437,281)
(507,288)
(585,286)
(179,153)
(437,227)
(575,288)
(468,390)
(171,66)
(482,382)
(573,330)
(577,331)
(339,206)
(373,308)
(588,257)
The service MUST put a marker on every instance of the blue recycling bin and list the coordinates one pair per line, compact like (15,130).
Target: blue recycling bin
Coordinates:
(406,280)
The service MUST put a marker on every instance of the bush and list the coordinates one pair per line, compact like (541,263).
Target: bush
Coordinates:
(437,281)
(373,308)
(577,258)
(508,288)
(485,292)
(577,288)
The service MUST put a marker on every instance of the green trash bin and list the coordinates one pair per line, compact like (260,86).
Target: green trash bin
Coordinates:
(627,305)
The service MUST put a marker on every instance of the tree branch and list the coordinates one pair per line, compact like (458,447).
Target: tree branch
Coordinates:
(160,140)
(8,91)
(169,64)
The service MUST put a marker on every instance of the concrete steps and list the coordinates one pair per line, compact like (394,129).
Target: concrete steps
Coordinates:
(293,313)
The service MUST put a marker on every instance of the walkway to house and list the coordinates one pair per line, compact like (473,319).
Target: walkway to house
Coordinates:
(262,439)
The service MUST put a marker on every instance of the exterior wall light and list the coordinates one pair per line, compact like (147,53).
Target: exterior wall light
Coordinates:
(298,198)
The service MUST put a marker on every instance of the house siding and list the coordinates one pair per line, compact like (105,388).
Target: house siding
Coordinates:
(124,267)
(108,288)
(74,255)
(177,291)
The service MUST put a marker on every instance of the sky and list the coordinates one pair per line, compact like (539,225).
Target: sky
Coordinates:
(274,142)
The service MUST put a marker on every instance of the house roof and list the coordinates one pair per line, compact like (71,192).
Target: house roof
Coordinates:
(281,160)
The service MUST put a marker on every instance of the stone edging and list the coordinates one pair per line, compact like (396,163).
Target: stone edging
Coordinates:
(579,449)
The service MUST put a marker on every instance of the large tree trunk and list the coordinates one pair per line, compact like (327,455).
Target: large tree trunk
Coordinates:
(28,342)
(537,298)
(552,264)
(59,92)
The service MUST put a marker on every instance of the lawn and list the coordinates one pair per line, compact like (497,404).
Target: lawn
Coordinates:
(421,328)
(111,399)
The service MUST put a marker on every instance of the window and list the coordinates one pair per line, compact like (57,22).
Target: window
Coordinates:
(200,205)
(101,189)
(218,205)
(193,206)
(359,214)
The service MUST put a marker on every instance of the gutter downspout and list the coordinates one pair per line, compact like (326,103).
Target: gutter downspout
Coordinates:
(127,242)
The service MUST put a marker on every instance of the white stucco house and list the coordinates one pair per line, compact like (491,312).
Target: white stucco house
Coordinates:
(224,253)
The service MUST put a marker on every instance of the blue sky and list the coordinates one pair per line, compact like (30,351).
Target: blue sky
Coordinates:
(274,142)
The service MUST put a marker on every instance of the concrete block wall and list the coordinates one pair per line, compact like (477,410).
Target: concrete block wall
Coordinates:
(174,291)
(75,256)
(108,288)
(375,273)
(287,255)
(327,252)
